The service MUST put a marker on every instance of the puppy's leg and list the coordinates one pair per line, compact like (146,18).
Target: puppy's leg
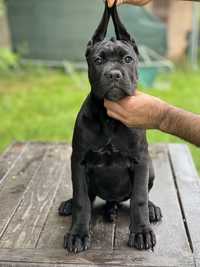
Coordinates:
(151,174)
(155,214)
(78,239)
(65,208)
(141,235)
(110,209)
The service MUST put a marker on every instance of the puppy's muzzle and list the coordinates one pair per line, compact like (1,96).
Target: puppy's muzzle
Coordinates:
(113,75)
(115,94)
(114,78)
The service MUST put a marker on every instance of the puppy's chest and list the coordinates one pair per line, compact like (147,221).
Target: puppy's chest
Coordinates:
(110,158)
(112,146)
(108,134)
(108,170)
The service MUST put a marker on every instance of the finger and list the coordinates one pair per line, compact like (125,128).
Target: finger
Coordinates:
(137,2)
(115,108)
(123,102)
(115,116)
(138,93)
(110,3)
(119,118)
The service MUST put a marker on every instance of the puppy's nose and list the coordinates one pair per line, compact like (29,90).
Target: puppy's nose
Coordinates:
(114,75)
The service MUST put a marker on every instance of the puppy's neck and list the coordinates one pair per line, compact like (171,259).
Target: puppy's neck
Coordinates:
(97,104)
(99,111)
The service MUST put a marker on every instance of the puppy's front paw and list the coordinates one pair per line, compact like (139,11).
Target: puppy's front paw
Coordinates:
(76,243)
(142,240)
(155,214)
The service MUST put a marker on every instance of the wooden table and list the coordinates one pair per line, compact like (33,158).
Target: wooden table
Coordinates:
(35,178)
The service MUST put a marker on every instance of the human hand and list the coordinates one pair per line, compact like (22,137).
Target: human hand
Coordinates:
(139,111)
(132,2)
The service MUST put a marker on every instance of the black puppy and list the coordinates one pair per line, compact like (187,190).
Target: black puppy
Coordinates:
(110,160)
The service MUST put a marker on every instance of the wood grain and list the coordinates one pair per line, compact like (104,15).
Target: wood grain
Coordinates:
(102,233)
(27,222)
(9,159)
(16,182)
(89,258)
(56,224)
(39,178)
(188,186)
(171,236)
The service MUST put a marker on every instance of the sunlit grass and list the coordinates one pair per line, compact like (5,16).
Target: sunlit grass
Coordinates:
(42,105)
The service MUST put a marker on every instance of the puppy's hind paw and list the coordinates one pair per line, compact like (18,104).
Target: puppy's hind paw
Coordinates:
(65,208)
(155,214)
(142,241)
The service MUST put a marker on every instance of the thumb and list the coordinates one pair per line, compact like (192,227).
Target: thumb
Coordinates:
(138,93)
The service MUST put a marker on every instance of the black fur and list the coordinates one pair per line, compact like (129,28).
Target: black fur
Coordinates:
(110,160)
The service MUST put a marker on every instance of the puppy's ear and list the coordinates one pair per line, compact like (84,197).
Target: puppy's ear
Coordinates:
(89,46)
(120,30)
(101,30)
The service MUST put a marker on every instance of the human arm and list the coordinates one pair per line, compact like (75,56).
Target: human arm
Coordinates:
(183,124)
(135,2)
(145,111)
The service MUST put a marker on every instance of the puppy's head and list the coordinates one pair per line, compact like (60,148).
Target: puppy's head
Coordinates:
(112,64)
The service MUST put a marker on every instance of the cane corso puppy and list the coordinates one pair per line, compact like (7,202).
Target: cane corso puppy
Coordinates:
(110,160)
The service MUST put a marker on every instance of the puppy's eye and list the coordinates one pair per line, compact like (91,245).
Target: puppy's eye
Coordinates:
(98,61)
(128,59)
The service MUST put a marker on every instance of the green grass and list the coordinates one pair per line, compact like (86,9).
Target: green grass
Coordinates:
(42,105)
(182,89)
(39,106)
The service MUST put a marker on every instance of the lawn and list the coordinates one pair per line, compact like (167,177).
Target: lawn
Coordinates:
(42,105)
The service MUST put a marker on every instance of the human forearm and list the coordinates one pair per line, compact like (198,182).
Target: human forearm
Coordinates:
(136,2)
(148,112)
(183,124)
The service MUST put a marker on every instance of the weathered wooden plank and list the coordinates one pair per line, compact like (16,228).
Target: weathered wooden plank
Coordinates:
(102,235)
(171,236)
(16,181)
(89,258)
(25,227)
(6,264)
(44,229)
(55,228)
(102,232)
(188,185)
(9,158)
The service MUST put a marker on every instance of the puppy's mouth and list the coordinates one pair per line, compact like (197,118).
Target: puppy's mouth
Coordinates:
(115,94)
